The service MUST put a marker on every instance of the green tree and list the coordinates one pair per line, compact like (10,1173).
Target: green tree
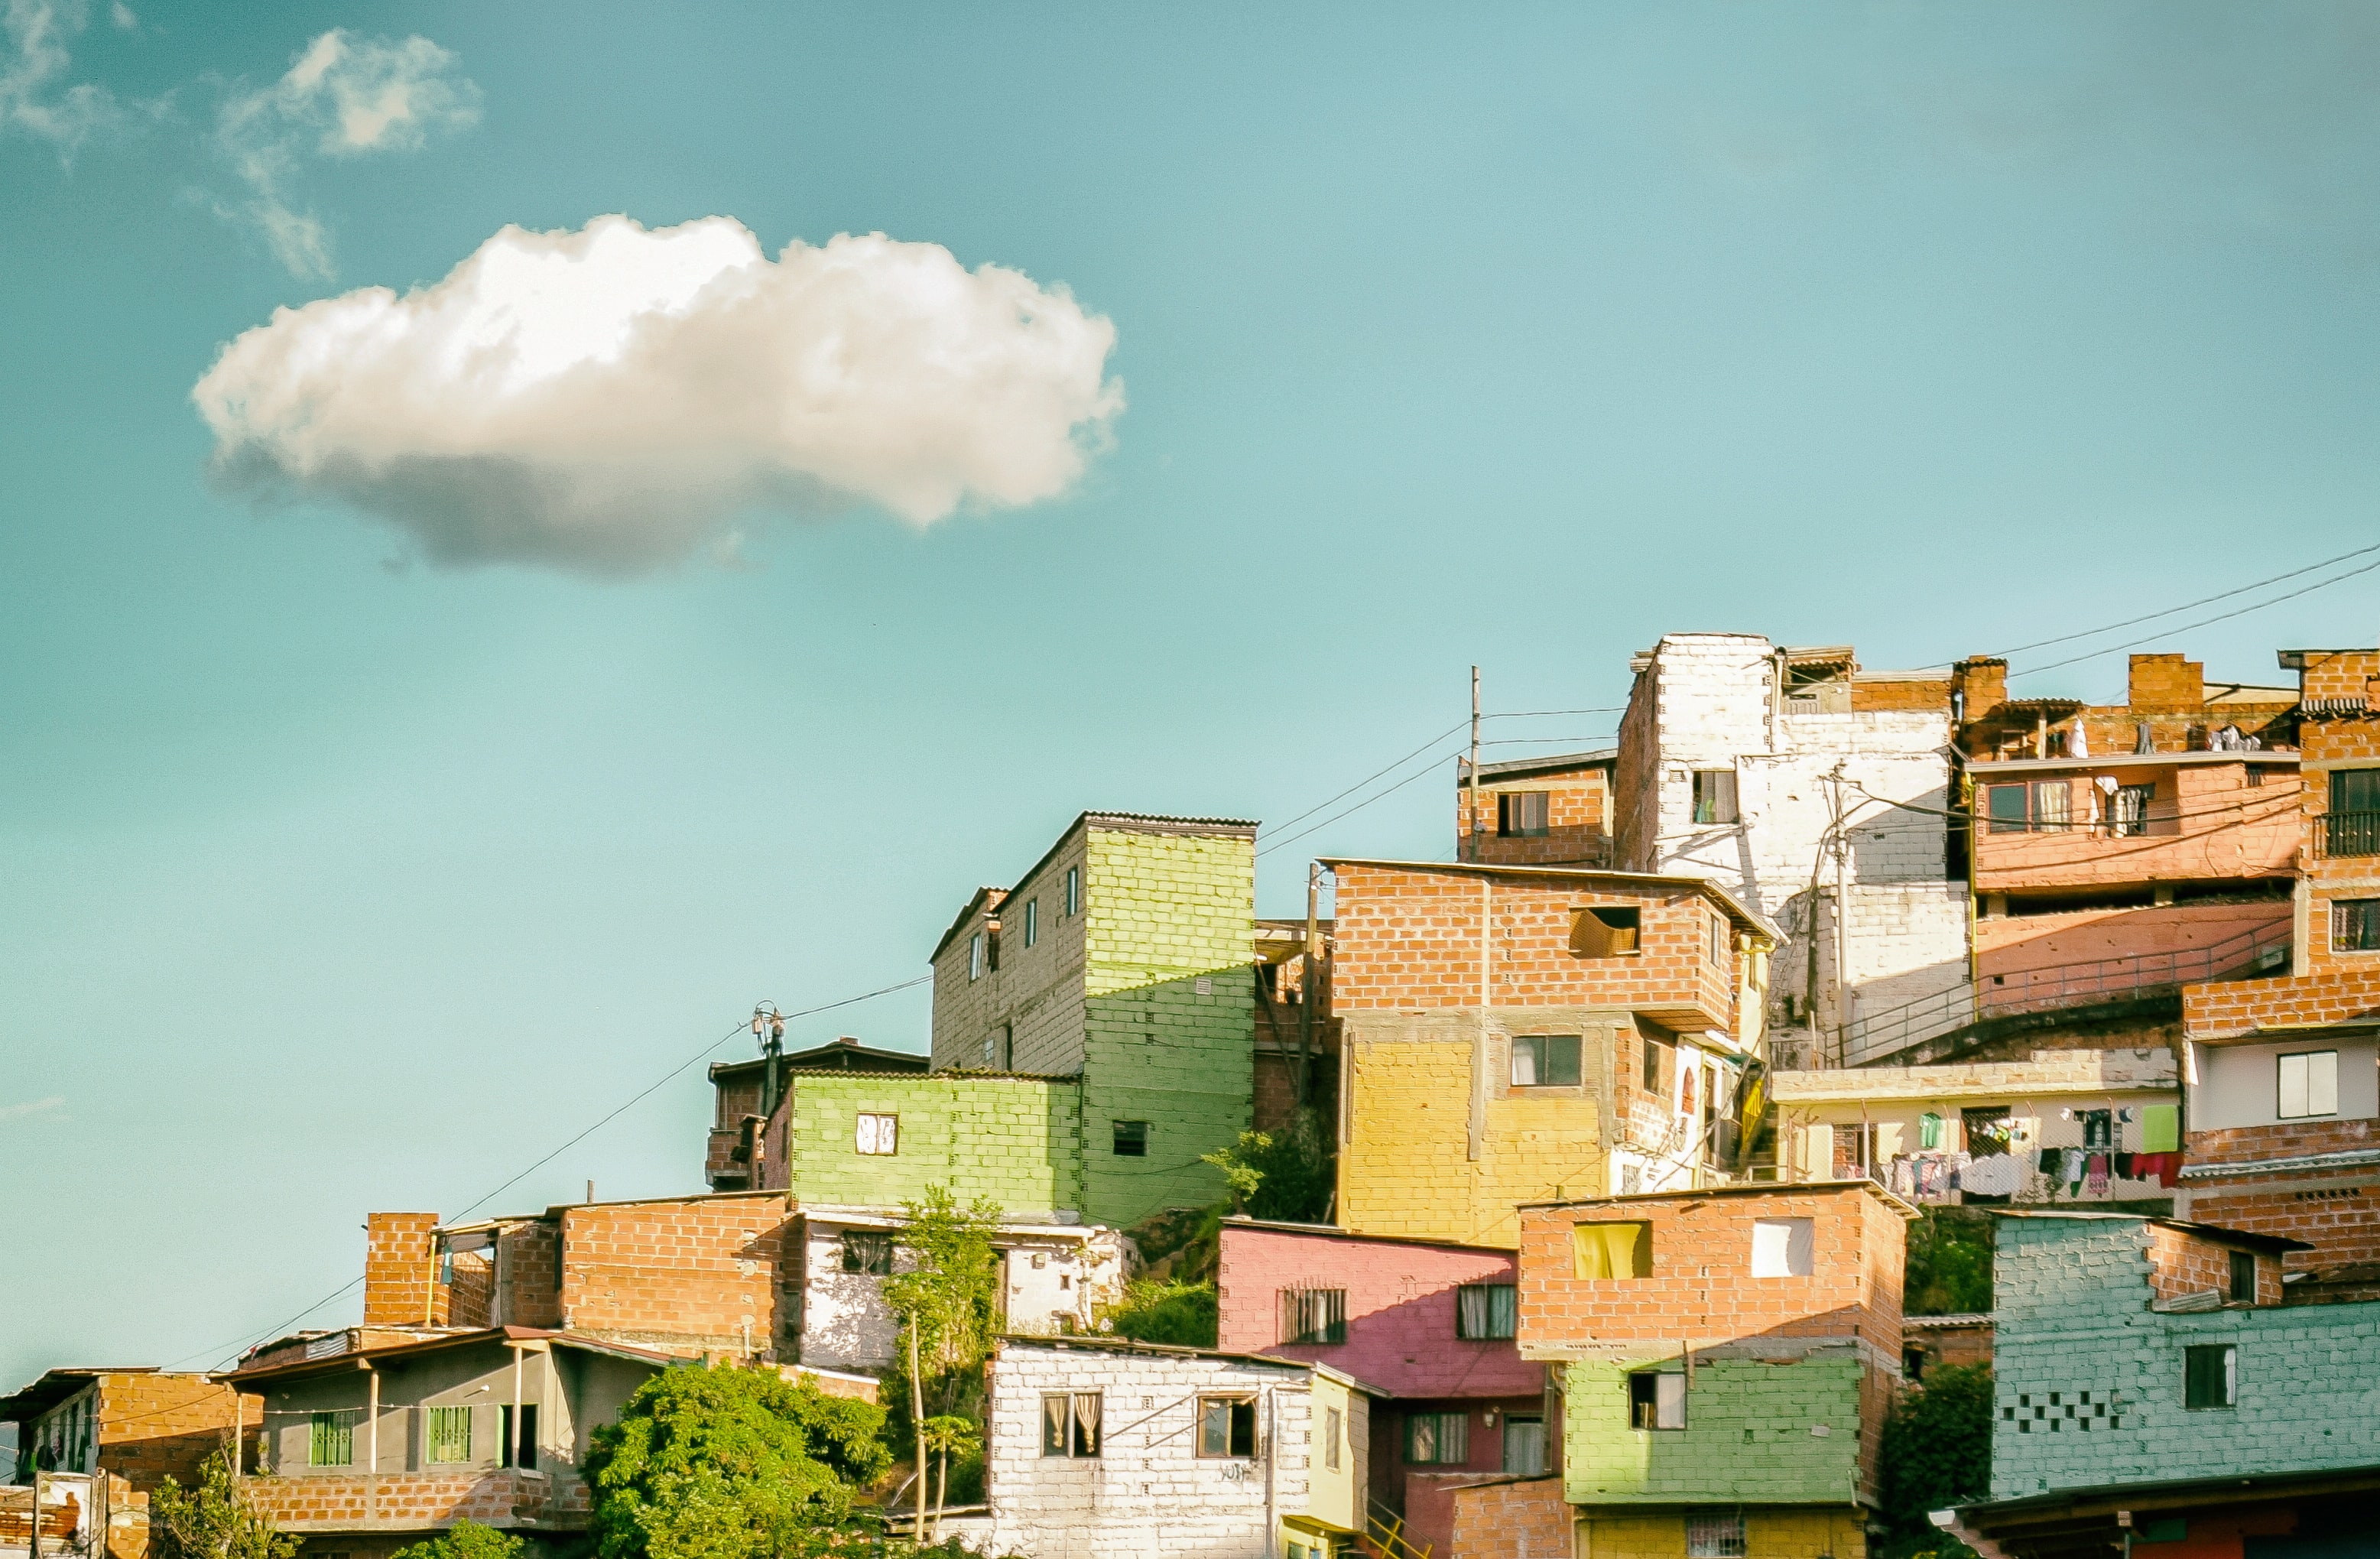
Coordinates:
(1287,1176)
(948,1302)
(1153,1310)
(214,1520)
(727,1463)
(1950,1270)
(466,1540)
(1936,1453)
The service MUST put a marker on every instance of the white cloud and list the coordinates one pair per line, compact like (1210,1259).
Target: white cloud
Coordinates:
(34,1107)
(37,56)
(344,96)
(605,401)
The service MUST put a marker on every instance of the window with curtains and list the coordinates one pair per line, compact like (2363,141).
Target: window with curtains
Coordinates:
(1611,1250)
(1714,796)
(1486,1311)
(1438,1439)
(869,1252)
(1521,814)
(448,1435)
(1313,1315)
(331,1441)
(1525,1445)
(878,1134)
(1069,1423)
(2052,804)
(2127,811)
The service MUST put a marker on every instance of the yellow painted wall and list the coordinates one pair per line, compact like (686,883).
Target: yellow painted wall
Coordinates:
(1767,1534)
(1335,1496)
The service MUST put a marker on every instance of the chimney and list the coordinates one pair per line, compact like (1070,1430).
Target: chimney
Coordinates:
(401,1270)
(1980,686)
(2166,685)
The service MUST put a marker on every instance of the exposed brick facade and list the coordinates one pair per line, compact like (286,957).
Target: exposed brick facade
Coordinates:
(1510,1518)
(694,1274)
(1577,813)
(401,1270)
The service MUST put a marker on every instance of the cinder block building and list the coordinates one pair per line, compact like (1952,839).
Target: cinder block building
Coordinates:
(124,1430)
(2150,1367)
(745,1094)
(2283,1105)
(1093,1035)
(1551,811)
(1512,1033)
(1428,1328)
(1725,1358)
(1097,1448)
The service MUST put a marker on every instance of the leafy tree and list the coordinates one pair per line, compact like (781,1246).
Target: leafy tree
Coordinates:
(1153,1310)
(1936,1453)
(1949,1268)
(948,1301)
(466,1540)
(215,1520)
(1286,1176)
(726,1463)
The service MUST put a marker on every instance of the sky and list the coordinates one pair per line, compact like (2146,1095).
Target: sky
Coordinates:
(799,456)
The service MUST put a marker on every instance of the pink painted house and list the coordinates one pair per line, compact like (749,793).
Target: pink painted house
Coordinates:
(1428,1326)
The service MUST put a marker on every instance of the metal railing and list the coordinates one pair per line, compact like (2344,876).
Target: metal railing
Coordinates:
(1873,1037)
(2347,834)
(1384,1533)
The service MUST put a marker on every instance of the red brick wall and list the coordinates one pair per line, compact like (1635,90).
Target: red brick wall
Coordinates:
(2342,1222)
(1578,820)
(2182,1263)
(1409,940)
(685,1274)
(1523,1518)
(1918,697)
(152,1425)
(1635,787)
(401,1269)
(531,1298)
(421,1500)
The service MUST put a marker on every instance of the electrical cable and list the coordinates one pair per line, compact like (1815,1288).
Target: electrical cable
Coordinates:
(2202,622)
(1369,778)
(1418,774)
(2221,595)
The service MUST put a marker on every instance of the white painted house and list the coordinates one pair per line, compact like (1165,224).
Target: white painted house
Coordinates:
(1098,1447)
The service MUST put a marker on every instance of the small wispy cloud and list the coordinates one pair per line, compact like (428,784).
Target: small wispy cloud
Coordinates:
(344,96)
(31,1108)
(34,97)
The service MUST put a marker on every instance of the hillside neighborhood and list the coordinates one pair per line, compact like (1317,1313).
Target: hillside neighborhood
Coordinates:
(1616,1184)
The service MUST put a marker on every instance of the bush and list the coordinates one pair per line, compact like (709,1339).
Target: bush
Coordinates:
(1156,1311)
(1936,1453)
(466,1540)
(1949,1263)
(1287,1177)
(214,1520)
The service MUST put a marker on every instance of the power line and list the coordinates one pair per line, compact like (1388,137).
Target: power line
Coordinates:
(1418,774)
(2220,616)
(2203,600)
(1369,778)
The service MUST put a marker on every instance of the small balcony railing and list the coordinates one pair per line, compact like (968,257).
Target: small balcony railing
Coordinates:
(2347,834)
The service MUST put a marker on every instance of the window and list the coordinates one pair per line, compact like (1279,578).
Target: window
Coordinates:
(1227,1426)
(1032,921)
(975,957)
(1438,1439)
(2127,811)
(1545,1060)
(1611,1250)
(1334,1429)
(868,1252)
(1074,889)
(880,1134)
(2355,925)
(2210,1376)
(1913,1364)
(2243,1277)
(1525,1445)
(1603,931)
(1714,794)
(527,1440)
(1718,942)
(1657,1056)
(2353,826)
(1780,1248)
(1715,1536)
(1521,814)
(2309,1084)
(1656,1400)
(1486,1311)
(1069,1423)
(2050,804)
(1313,1315)
(333,1439)
(2005,805)
(1132,1139)
(449,1437)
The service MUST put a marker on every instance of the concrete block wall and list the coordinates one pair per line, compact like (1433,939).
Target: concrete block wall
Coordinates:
(1148,1491)
(401,1269)
(1514,1519)
(1757,1430)
(2088,1381)
(1578,819)
(686,1275)
(166,1424)
(1016,1140)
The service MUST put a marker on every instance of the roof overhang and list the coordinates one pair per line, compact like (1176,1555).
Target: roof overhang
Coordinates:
(1650,881)
(57,1385)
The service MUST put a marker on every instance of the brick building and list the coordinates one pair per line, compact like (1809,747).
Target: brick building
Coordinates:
(1553,810)
(1428,1328)
(2149,1367)
(2284,1108)
(745,1094)
(1097,1448)
(362,1449)
(1512,1033)
(1725,1358)
(1775,772)
(126,1430)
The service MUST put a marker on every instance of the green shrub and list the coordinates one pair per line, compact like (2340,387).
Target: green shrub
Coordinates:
(1936,1453)
(1154,1311)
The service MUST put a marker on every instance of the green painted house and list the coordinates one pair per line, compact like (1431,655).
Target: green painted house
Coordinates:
(1093,1035)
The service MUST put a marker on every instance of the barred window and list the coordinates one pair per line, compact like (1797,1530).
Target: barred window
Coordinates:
(1715,1536)
(1486,1311)
(333,1439)
(1313,1315)
(2355,925)
(449,1439)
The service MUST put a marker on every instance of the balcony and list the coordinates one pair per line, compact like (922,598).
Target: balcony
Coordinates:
(2060,826)
(2347,834)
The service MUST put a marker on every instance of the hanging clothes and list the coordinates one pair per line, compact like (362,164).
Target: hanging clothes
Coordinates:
(1929,1130)
(2077,1161)
(2098,1129)
(2160,1128)
(2097,1181)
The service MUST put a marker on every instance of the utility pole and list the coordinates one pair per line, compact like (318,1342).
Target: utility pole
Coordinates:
(1474,829)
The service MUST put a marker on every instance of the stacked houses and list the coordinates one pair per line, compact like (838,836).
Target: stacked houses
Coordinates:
(1628,1108)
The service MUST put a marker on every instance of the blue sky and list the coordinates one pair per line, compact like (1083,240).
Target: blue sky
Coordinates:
(340,878)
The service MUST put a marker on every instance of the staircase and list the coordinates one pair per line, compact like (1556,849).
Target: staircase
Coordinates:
(1384,1534)
(1883,1039)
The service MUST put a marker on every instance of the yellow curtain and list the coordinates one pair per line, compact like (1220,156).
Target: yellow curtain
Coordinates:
(1611,1250)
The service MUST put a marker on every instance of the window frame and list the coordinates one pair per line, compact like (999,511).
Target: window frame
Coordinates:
(2355,925)
(1800,1238)
(434,1441)
(1714,794)
(1032,920)
(1722,1543)
(2243,1264)
(2122,803)
(1543,1049)
(1522,814)
(1639,1249)
(1071,1442)
(516,1450)
(1648,1402)
(868,1252)
(1074,891)
(1130,1139)
(860,1134)
(1504,1312)
(975,957)
(1593,935)
(1440,1446)
(1313,1317)
(1504,1458)
(2306,1094)
(1239,1412)
(2201,1363)
(1334,1429)
(1996,820)
(337,1427)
